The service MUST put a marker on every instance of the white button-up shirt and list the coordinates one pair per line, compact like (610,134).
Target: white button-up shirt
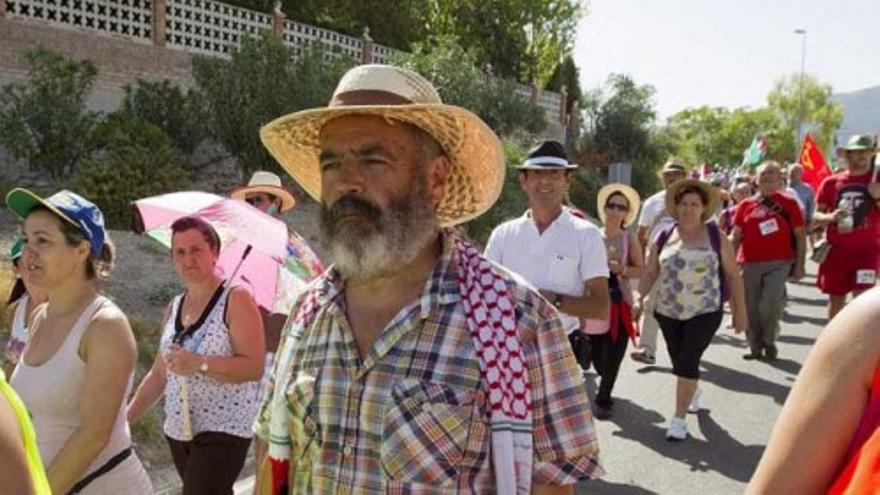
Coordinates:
(561,259)
(654,215)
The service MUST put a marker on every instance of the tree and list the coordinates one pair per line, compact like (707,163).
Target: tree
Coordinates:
(566,74)
(258,83)
(453,71)
(618,126)
(45,121)
(821,115)
(520,39)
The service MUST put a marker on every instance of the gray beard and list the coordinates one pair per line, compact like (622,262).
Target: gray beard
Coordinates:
(379,243)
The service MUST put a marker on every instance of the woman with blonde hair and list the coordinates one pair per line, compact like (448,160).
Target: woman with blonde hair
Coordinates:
(79,361)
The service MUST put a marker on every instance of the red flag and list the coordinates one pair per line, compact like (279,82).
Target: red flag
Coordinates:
(815,167)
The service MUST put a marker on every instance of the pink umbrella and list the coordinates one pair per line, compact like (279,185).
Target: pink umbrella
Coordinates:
(249,237)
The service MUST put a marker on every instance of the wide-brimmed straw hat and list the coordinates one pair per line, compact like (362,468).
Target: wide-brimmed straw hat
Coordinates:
(711,206)
(476,159)
(269,183)
(547,154)
(632,197)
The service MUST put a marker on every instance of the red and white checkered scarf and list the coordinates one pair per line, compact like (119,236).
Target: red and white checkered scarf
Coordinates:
(489,313)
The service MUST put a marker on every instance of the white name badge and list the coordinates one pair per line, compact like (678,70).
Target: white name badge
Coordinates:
(768,226)
(866,277)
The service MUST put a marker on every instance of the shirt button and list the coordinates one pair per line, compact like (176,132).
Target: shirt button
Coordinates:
(347,450)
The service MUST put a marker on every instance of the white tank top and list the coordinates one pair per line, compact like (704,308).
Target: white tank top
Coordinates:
(214,405)
(51,392)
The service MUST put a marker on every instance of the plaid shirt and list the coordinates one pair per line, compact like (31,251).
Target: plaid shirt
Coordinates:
(411,415)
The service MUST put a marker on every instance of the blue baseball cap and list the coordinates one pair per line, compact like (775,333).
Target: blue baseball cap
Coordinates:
(71,207)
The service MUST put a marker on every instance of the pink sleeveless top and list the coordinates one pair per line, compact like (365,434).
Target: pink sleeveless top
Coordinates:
(51,392)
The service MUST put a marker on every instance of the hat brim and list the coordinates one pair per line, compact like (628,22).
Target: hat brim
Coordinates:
(711,192)
(534,166)
(287,199)
(21,202)
(477,166)
(632,197)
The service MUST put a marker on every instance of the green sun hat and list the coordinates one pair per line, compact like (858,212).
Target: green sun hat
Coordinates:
(859,142)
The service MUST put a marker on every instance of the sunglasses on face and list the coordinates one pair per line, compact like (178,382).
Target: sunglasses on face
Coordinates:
(618,207)
(255,200)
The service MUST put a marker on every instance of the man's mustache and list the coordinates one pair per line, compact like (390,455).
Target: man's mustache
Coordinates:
(353,205)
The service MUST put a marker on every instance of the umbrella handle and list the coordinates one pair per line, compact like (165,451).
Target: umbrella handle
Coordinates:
(244,255)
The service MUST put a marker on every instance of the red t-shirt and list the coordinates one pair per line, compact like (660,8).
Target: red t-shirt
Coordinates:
(866,216)
(766,236)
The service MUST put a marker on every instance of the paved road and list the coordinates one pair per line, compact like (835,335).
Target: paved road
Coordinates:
(742,400)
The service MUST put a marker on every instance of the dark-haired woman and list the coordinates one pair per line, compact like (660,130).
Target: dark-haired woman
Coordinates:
(78,364)
(208,368)
(618,206)
(26,298)
(689,260)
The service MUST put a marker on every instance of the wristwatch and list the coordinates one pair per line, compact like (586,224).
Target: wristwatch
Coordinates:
(203,368)
(557,301)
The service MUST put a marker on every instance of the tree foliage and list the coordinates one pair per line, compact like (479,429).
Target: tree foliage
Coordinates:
(453,71)
(821,115)
(45,121)
(260,82)
(521,39)
(566,74)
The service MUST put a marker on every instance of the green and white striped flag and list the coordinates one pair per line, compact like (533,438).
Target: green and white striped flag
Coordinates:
(756,153)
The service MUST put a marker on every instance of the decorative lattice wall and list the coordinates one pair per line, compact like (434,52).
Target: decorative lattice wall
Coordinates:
(211,28)
(130,18)
(302,37)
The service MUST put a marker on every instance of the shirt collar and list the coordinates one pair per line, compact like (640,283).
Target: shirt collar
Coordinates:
(441,287)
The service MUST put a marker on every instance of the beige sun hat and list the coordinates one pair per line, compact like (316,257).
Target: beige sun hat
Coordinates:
(476,159)
(711,193)
(632,197)
(269,183)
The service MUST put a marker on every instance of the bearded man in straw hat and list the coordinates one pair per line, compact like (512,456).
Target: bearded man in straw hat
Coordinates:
(653,220)
(414,364)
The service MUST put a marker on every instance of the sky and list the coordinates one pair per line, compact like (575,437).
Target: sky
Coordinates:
(727,53)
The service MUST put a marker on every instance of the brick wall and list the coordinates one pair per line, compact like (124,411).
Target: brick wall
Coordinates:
(119,60)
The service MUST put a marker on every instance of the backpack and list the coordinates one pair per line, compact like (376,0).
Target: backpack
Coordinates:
(714,241)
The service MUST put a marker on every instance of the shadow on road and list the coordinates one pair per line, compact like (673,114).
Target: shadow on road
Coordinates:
(725,339)
(786,365)
(720,452)
(790,318)
(608,488)
(806,301)
(795,339)
(746,383)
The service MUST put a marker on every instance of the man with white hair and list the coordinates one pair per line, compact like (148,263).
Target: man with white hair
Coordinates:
(414,364)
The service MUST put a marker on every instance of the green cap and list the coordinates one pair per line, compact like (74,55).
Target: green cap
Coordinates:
(859,142)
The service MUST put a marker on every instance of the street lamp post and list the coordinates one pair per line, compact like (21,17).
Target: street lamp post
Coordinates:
(797,141)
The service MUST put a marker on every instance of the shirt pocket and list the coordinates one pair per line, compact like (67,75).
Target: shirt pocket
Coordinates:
(305,433)
(563,273)
(433,433)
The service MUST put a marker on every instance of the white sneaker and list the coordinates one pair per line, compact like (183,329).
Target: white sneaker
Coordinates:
(678,429)
(696,404)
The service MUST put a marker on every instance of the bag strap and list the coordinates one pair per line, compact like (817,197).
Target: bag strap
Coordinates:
(104,469)
(715,241)
(779,210)
(664,236)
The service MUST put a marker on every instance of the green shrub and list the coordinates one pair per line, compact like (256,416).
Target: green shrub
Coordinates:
(137,161)
(45,120)
(177,112)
